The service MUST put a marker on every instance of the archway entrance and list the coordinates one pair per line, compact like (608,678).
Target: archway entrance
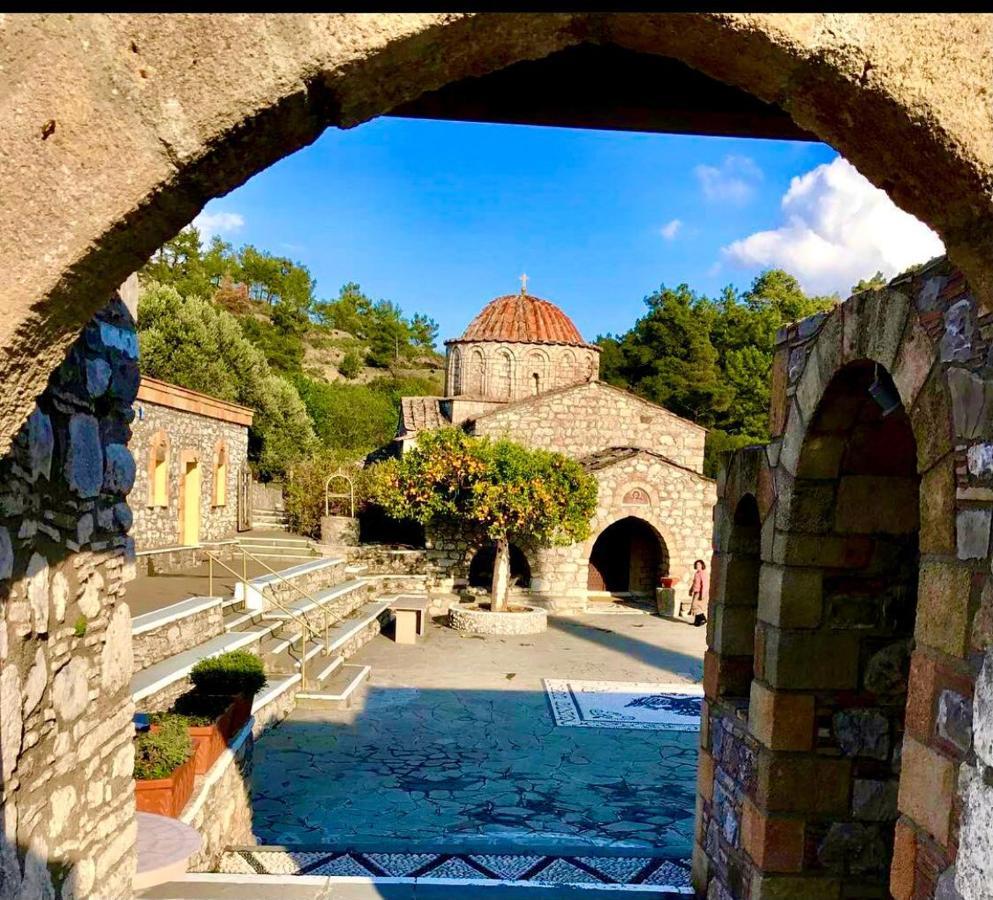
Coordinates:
(189,506)
(837,639)
(628,557)
(481,567)
(736,615)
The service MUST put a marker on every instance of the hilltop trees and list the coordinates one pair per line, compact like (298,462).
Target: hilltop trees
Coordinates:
(508,491)
(710,360)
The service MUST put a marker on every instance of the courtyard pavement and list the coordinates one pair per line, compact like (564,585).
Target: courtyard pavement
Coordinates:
(455,747)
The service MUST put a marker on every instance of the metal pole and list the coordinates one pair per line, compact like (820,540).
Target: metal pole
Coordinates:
(303,659)
(210,575)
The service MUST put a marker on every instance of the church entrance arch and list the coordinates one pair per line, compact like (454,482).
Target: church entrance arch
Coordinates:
(481,567)
(629,556)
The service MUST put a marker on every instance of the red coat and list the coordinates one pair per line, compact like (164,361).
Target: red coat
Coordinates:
(699,585)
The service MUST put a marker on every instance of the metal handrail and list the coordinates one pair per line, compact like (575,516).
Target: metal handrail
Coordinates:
(308,631)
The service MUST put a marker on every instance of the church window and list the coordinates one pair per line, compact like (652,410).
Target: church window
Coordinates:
(221,475)
(158,480)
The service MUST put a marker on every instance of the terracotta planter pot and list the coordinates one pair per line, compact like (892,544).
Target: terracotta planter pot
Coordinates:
(241,711)
(167,796)
(211,743)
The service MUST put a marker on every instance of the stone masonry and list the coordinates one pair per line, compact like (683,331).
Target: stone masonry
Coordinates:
(65,631)
(185,426)
(851,613)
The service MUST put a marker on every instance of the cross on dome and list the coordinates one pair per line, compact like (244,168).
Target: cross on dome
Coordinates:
(524,283)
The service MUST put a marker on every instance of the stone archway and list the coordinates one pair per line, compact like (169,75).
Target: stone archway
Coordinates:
(913,118)
(628,556)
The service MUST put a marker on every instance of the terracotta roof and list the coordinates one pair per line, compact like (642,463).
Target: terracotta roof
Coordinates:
(418,413)
(521,318)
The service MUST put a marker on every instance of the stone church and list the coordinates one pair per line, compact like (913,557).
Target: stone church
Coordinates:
(523,371)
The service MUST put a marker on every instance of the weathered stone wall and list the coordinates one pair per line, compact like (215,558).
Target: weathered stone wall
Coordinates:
(678,508)
(190,436)
(825,695)
(65,632)
(508,371)
(157,644)
(581,420)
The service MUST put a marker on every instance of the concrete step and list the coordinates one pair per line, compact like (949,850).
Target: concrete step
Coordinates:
(303,605)
(348,628)
(166,615)
(322,569)
(341,690)
(153,679)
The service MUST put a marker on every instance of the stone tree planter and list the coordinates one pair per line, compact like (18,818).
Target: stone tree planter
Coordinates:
(515,619)
(340,531)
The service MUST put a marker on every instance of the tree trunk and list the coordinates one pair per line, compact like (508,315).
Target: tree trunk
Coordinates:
(501,576)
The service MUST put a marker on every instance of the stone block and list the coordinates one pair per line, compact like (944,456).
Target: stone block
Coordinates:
(887,669)
(932,420)
(84,456)
(734,630)
(927,788)
(786,783)
(937,508)
(821,456)
(862,733)
(853,847)
(790,597)
(705,775)
(874,800)
(972,403)
(796,661)
(943,607)
(919,715)
(904,861)
(794,887)
(913,364)
(830,551)
(972,533)
(871,505)
(810,508)
(775,844)
(781,720)
(741,580)
(954,720)
(711,669)
(974,864)
(982,722)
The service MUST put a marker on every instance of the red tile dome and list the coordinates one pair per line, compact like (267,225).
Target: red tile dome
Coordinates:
(522,318)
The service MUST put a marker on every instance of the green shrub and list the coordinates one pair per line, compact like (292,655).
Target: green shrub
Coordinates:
(236,672)
(185,720)
(350,365)
(158,754)
(200,709)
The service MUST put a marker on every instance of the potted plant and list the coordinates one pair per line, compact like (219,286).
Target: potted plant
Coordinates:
(230,680)
(164,769)
(208,731)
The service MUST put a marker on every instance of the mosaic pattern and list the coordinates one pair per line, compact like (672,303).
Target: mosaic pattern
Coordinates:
(664,874)
(619,704)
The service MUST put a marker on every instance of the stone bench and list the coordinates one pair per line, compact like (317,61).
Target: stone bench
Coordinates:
(410,614)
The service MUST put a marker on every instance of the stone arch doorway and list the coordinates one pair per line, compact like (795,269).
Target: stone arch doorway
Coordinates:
(837,628)
(481,567)
(735,616)
(629,556)
(236,118)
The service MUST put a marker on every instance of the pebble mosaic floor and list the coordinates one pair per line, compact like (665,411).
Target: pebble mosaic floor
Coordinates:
(417,765)
(464,867)
(625,704)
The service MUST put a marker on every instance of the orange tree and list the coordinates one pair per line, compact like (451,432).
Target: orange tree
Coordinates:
(508,491)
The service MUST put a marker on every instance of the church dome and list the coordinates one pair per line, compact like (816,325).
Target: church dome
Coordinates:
(521,318)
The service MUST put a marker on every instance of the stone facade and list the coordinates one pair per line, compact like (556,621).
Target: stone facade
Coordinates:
(175,428)
(157,644)
(505,371)
(584,419)
(850,613)
(65,632)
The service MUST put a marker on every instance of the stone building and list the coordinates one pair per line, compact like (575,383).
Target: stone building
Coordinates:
(852,613)
(191,454)
(522,370)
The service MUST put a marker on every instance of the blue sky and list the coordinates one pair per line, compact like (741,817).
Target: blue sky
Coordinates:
(440,217)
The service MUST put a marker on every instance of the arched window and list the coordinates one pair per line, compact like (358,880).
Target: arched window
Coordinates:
(477,374)
(537,369)
(503,387)
(535,382)
(158,470)
(221,475)
(455,380)
(567,368)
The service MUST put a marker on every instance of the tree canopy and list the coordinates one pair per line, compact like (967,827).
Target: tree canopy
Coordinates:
(710,360)
(507,491)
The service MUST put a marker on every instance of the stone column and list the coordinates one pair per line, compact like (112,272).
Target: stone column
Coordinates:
(65,633)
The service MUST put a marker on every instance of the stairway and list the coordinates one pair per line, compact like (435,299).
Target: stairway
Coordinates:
(270,519)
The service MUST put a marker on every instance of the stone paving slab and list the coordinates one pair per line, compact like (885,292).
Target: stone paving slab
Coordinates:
(449,749)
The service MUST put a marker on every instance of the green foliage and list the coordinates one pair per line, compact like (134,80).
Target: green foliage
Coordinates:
(192,343)
(158,754)
(79,629)
(353,418)
(710,360)
(235,672)
(304,492)
(873,283)
(350,365)
(506,490)
(166,719)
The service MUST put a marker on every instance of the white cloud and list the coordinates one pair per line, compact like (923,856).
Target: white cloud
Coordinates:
(211,223)
(671,229)
(733,181)
(838,228)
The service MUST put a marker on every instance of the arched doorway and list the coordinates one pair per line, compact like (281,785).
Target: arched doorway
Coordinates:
(736,614)
(628,557)
(481,567)
(837,638)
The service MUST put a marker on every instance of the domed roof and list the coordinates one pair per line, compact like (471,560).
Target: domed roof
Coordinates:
(524,319)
